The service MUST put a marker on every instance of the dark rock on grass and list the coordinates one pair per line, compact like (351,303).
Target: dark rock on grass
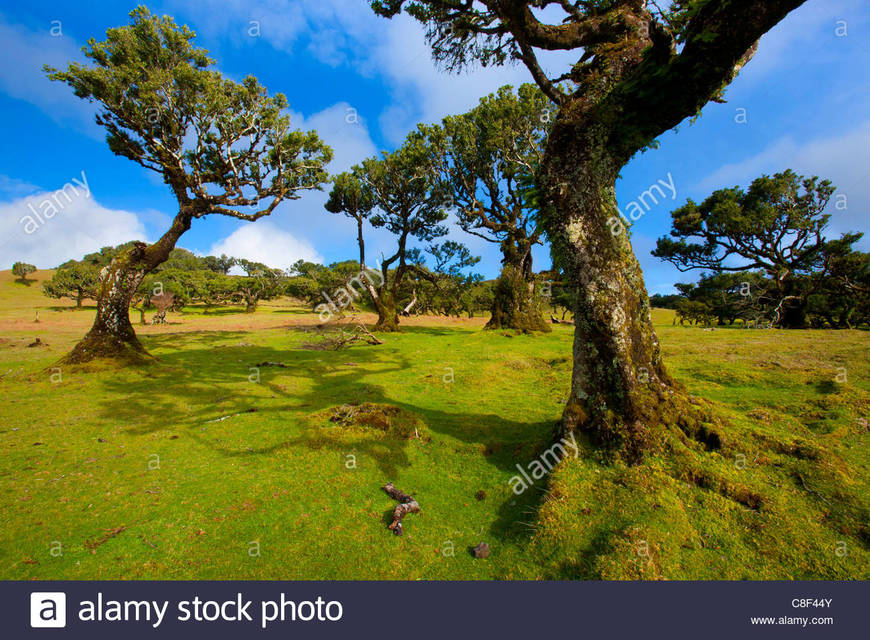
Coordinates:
(480,495)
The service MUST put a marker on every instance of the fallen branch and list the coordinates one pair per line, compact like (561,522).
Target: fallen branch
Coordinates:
(407,310)
(346,338)
(232,415)
(406,505)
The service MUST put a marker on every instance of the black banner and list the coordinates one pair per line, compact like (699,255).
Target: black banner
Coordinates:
(733,610)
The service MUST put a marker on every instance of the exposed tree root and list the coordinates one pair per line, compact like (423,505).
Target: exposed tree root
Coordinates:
(651,422)
(124,350)
(406,505)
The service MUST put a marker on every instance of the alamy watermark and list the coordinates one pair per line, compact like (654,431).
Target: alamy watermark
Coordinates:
(542,465)
(53,204)
(345,295)
(635,209)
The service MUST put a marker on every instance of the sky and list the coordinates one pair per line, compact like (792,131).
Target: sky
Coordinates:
(363,82)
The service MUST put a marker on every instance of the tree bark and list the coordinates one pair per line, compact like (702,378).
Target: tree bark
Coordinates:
(388,316)
(250,303)
(112,335)
(621,395)
(362,244)
(517,302)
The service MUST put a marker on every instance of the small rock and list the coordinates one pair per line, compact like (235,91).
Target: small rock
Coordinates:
(480,495)
(481,550)
(100,440)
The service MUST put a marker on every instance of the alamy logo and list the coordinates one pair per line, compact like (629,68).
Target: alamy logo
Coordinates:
(48,609)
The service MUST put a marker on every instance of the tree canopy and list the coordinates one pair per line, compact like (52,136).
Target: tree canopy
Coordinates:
(223,147)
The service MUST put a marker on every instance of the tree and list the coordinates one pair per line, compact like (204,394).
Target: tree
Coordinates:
(259,283)
(21,270)
(76,281)
(640,71)
(441,288)
(410,204)
(485,156)
(351,196)
(223,264)
(664,301)
(222,147)
(725,297)
(840,293)
(777,225)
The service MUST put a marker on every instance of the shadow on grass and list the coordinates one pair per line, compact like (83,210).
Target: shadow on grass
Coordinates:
(196,382)
(61,309)
(198,310)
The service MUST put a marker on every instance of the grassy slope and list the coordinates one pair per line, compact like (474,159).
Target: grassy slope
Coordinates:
(75,454)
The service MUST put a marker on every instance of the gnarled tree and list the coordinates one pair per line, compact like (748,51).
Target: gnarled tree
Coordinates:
(222,147)
(409,200)
(777,225)
(485,156)
(640,71)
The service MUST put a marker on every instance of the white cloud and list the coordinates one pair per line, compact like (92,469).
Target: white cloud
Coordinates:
(343,129)
(394,49)
(267,243)
(424,93)
(841,159)
(22,55)
(13,187)
(80,226)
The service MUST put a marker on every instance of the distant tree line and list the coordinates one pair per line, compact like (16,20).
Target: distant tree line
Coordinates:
(189,278)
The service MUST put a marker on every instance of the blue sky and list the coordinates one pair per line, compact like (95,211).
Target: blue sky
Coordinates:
(802,103)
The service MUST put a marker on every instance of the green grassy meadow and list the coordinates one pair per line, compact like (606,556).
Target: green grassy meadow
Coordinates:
(205,466)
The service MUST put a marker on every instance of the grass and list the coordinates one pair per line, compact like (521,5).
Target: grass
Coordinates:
(206,466)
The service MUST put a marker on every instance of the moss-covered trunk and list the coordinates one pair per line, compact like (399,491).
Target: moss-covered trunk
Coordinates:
(112,335)
(621,395)
(388,316)
(251,301)
(517,300)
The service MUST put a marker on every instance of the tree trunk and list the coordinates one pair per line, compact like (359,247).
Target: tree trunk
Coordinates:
(621,395)
(407,310)
(517,301)
(112,335)
(388,316)
(362,245)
